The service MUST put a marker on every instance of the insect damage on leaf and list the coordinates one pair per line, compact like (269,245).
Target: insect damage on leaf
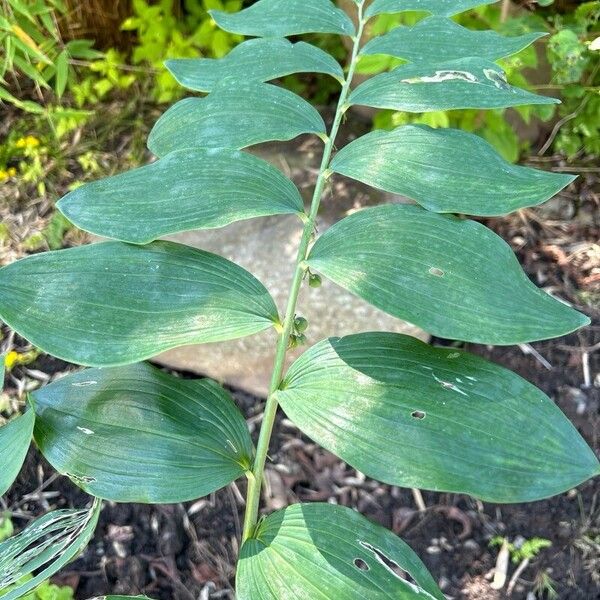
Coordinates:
(498,78)
(392,566)
(441,76)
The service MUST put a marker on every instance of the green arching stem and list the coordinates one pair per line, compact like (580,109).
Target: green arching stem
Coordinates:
(255,477)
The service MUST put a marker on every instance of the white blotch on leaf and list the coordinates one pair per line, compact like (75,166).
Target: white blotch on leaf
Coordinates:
(85,430)
(448,385)
(441,76)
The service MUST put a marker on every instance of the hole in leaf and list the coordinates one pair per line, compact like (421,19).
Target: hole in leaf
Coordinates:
(418,414)
(436,272)
(360,564)
(392,566)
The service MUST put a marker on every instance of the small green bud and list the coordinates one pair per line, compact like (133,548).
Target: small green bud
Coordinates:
(301,339)
(293,343)
(314,280)
(300,324)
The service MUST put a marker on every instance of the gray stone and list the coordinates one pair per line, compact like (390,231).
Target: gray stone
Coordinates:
(267,248)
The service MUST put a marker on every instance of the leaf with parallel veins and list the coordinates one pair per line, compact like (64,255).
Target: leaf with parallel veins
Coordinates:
(454,278)
(434,167)
(234,117)
(44,547)
(326,552)
(445,8)
(111,303)
(465,83)
(440,419)
(437,37)
(280,18)
(15,438)
(260,60)
(185,190)
(136,434)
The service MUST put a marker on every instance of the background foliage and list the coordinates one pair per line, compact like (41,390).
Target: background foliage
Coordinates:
(60,83)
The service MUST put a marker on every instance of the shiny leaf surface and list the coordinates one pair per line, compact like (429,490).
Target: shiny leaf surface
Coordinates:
(327,552)
(454,278)
(234,117)
(445,8)
(458,423)
(136,434)
(465,83)
(254,60)
(280,18)
(187,189)
(435,168)
(111,303)
(437,37)
(15,438)
(44,547)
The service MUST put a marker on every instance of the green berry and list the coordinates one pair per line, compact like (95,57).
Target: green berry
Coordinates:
(300,324)
(314,280)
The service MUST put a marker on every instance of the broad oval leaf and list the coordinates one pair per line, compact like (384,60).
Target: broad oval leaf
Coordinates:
(457,422)
(445,8)
(187,189)
(465,83)
(328,552)
(454,278)
(260,60)
(44,547)
(136,434)
(111,304)
(280,18)
(437,37)
(434,167)
(234,117)
(15,438)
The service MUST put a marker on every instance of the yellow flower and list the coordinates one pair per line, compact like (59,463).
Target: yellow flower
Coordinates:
(27,142)
(11,359)
(4,175)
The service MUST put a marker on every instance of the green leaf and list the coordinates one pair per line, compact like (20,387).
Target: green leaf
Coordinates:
(254,60)
(458,423)
(465,83)
(62,72)
(44,547)
(454,278)
(234,117)
(435,168)
(136,434)
(568,55)
(328,552)
(437,37)
(187,189)
(111,304)
(280,18)
(445,8)
(15,438)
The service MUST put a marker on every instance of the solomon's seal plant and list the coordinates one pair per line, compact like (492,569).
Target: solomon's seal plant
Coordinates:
(401,411)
